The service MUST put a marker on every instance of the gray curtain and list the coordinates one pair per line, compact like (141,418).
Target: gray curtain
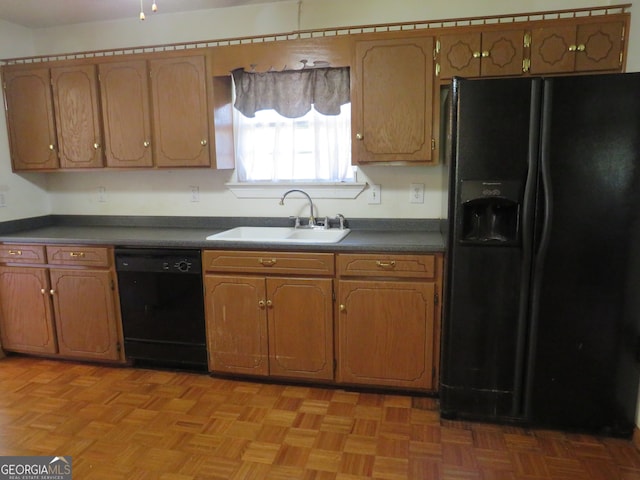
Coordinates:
(291,93)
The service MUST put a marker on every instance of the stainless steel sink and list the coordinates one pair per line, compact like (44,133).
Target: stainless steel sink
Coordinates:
(281,235)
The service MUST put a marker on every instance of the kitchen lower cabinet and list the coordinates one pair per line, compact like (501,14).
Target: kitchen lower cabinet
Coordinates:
(388,320)
(271,318)
(26,315)
(59,300)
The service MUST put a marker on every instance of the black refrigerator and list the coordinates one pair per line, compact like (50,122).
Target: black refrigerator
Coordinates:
(541,318)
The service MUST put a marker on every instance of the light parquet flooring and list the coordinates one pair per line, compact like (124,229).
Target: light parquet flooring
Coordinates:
(136,424)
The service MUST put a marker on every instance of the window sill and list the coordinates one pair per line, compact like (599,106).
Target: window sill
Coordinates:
(339,190)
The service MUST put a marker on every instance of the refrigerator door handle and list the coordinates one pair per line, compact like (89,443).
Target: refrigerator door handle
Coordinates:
(545,235)
(528,208)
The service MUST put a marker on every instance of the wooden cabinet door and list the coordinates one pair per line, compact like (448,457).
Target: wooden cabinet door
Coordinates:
(599,46)
(300,319)
(392,101)
(86,320)
(30,118)
(26,320)
(237,324)
(502,53)
(460,55)
(75,97)
(180,117)
(487,54)
(124,91)
(579,48)
(386,333)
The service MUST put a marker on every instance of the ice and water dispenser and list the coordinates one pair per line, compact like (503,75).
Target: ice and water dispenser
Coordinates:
(490,212)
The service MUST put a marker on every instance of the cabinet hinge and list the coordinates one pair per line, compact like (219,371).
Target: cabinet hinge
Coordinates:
(621,58)
(527,40)
(526,65)
(437,50)
(436,299)
(433,144)
(118,347)
(437,69)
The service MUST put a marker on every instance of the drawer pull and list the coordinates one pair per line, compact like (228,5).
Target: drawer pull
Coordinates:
(15,252)
(76,254)
(267,262)
(390,264)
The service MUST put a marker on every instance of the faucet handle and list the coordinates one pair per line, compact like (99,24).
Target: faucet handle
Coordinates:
(342,220)
(296,221)
(326,224)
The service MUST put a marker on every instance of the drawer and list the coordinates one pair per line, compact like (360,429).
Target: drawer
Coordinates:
(78,255)
(385,265)
(22,253)
(293,263)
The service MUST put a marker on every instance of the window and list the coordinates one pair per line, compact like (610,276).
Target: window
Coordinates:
(293,126)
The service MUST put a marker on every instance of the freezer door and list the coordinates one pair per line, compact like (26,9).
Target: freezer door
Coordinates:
(583,366)
(494,131)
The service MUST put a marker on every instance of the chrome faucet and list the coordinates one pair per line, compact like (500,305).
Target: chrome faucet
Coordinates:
(312,218)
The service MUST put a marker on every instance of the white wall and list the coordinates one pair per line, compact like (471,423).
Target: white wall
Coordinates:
(168,192)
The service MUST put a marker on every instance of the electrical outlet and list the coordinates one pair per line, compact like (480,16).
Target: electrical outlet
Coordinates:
(416,193)
(375,191)
(102,194)
(195,193)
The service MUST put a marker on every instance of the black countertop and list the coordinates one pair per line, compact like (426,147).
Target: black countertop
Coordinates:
(367,235)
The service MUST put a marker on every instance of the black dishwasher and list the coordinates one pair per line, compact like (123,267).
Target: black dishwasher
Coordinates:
(162,306)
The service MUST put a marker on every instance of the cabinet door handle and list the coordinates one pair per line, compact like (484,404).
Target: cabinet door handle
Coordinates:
(146,144)
(269,303)
(76,254)
(359,136)
(390,264)
(17,253)
(573,48)
(43,291)
(343,308)
(96,146)
(581,48)
(52,147)
(52,292)
(267,262)
(203,143)
(485,53)
(261,304)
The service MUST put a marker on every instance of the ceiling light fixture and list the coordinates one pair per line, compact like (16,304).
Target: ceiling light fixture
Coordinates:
(154,9)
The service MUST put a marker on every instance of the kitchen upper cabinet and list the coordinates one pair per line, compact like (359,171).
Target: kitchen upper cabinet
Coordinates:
(30,119)
(479,54)
(392,102)
(180,116)
(77,110)
(126,113)
(262,323)
(577,48)
(60,302)
(388,320)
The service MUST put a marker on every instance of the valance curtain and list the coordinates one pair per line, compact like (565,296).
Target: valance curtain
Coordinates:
(292,93)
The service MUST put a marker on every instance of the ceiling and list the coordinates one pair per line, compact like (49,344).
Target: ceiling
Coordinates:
(50,13)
